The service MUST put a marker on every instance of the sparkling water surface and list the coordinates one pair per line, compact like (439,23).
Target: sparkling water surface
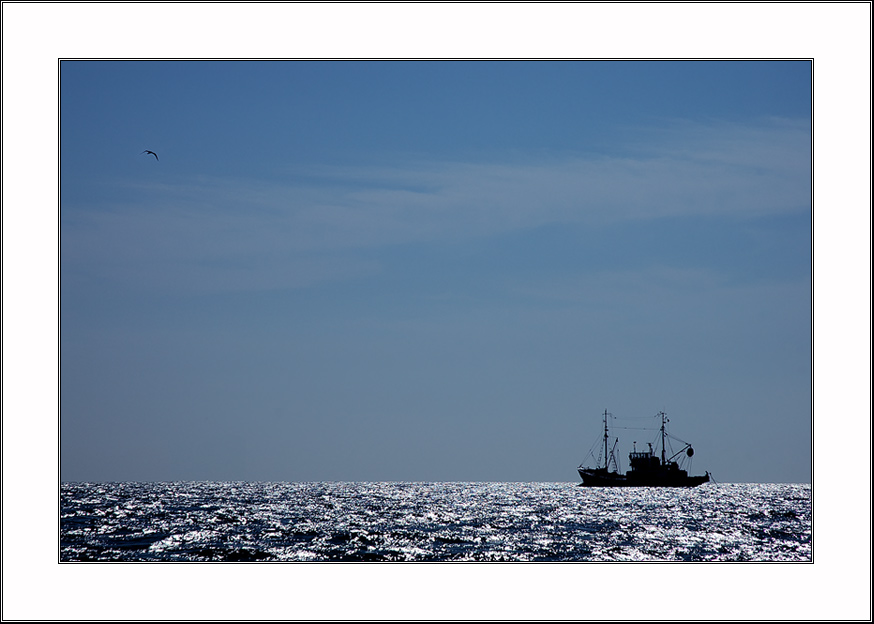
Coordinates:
(336,521)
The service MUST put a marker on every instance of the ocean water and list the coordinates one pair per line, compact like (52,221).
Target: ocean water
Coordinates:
(366,522)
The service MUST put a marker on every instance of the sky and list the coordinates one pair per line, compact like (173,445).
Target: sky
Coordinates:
(432,270)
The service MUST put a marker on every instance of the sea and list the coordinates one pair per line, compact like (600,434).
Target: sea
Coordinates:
(266,522)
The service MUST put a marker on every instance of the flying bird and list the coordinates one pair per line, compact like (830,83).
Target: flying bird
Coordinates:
(152,153)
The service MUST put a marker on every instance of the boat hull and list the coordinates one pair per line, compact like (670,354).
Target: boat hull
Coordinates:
(600,478)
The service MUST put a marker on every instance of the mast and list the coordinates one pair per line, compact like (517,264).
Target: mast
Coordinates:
(606,461)
(664,420)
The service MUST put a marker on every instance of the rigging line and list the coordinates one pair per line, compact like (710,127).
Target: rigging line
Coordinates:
(668,435)
(637,428)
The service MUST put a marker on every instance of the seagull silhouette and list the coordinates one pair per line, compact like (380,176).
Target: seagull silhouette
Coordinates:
(152,153)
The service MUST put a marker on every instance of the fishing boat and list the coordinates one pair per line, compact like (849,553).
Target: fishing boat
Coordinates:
(648,469)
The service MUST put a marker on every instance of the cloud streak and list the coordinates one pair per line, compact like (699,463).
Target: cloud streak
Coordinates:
(210,233)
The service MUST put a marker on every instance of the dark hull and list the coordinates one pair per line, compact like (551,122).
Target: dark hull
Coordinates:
(601,478)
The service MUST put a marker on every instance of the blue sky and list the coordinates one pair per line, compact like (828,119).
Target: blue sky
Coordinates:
(377,270)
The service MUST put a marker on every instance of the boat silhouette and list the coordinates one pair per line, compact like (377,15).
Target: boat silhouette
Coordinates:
(648,469)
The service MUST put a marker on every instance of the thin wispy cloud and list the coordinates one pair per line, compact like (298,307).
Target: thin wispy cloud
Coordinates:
(277,233)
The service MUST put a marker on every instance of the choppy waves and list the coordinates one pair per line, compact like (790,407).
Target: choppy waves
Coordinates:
(275,522)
